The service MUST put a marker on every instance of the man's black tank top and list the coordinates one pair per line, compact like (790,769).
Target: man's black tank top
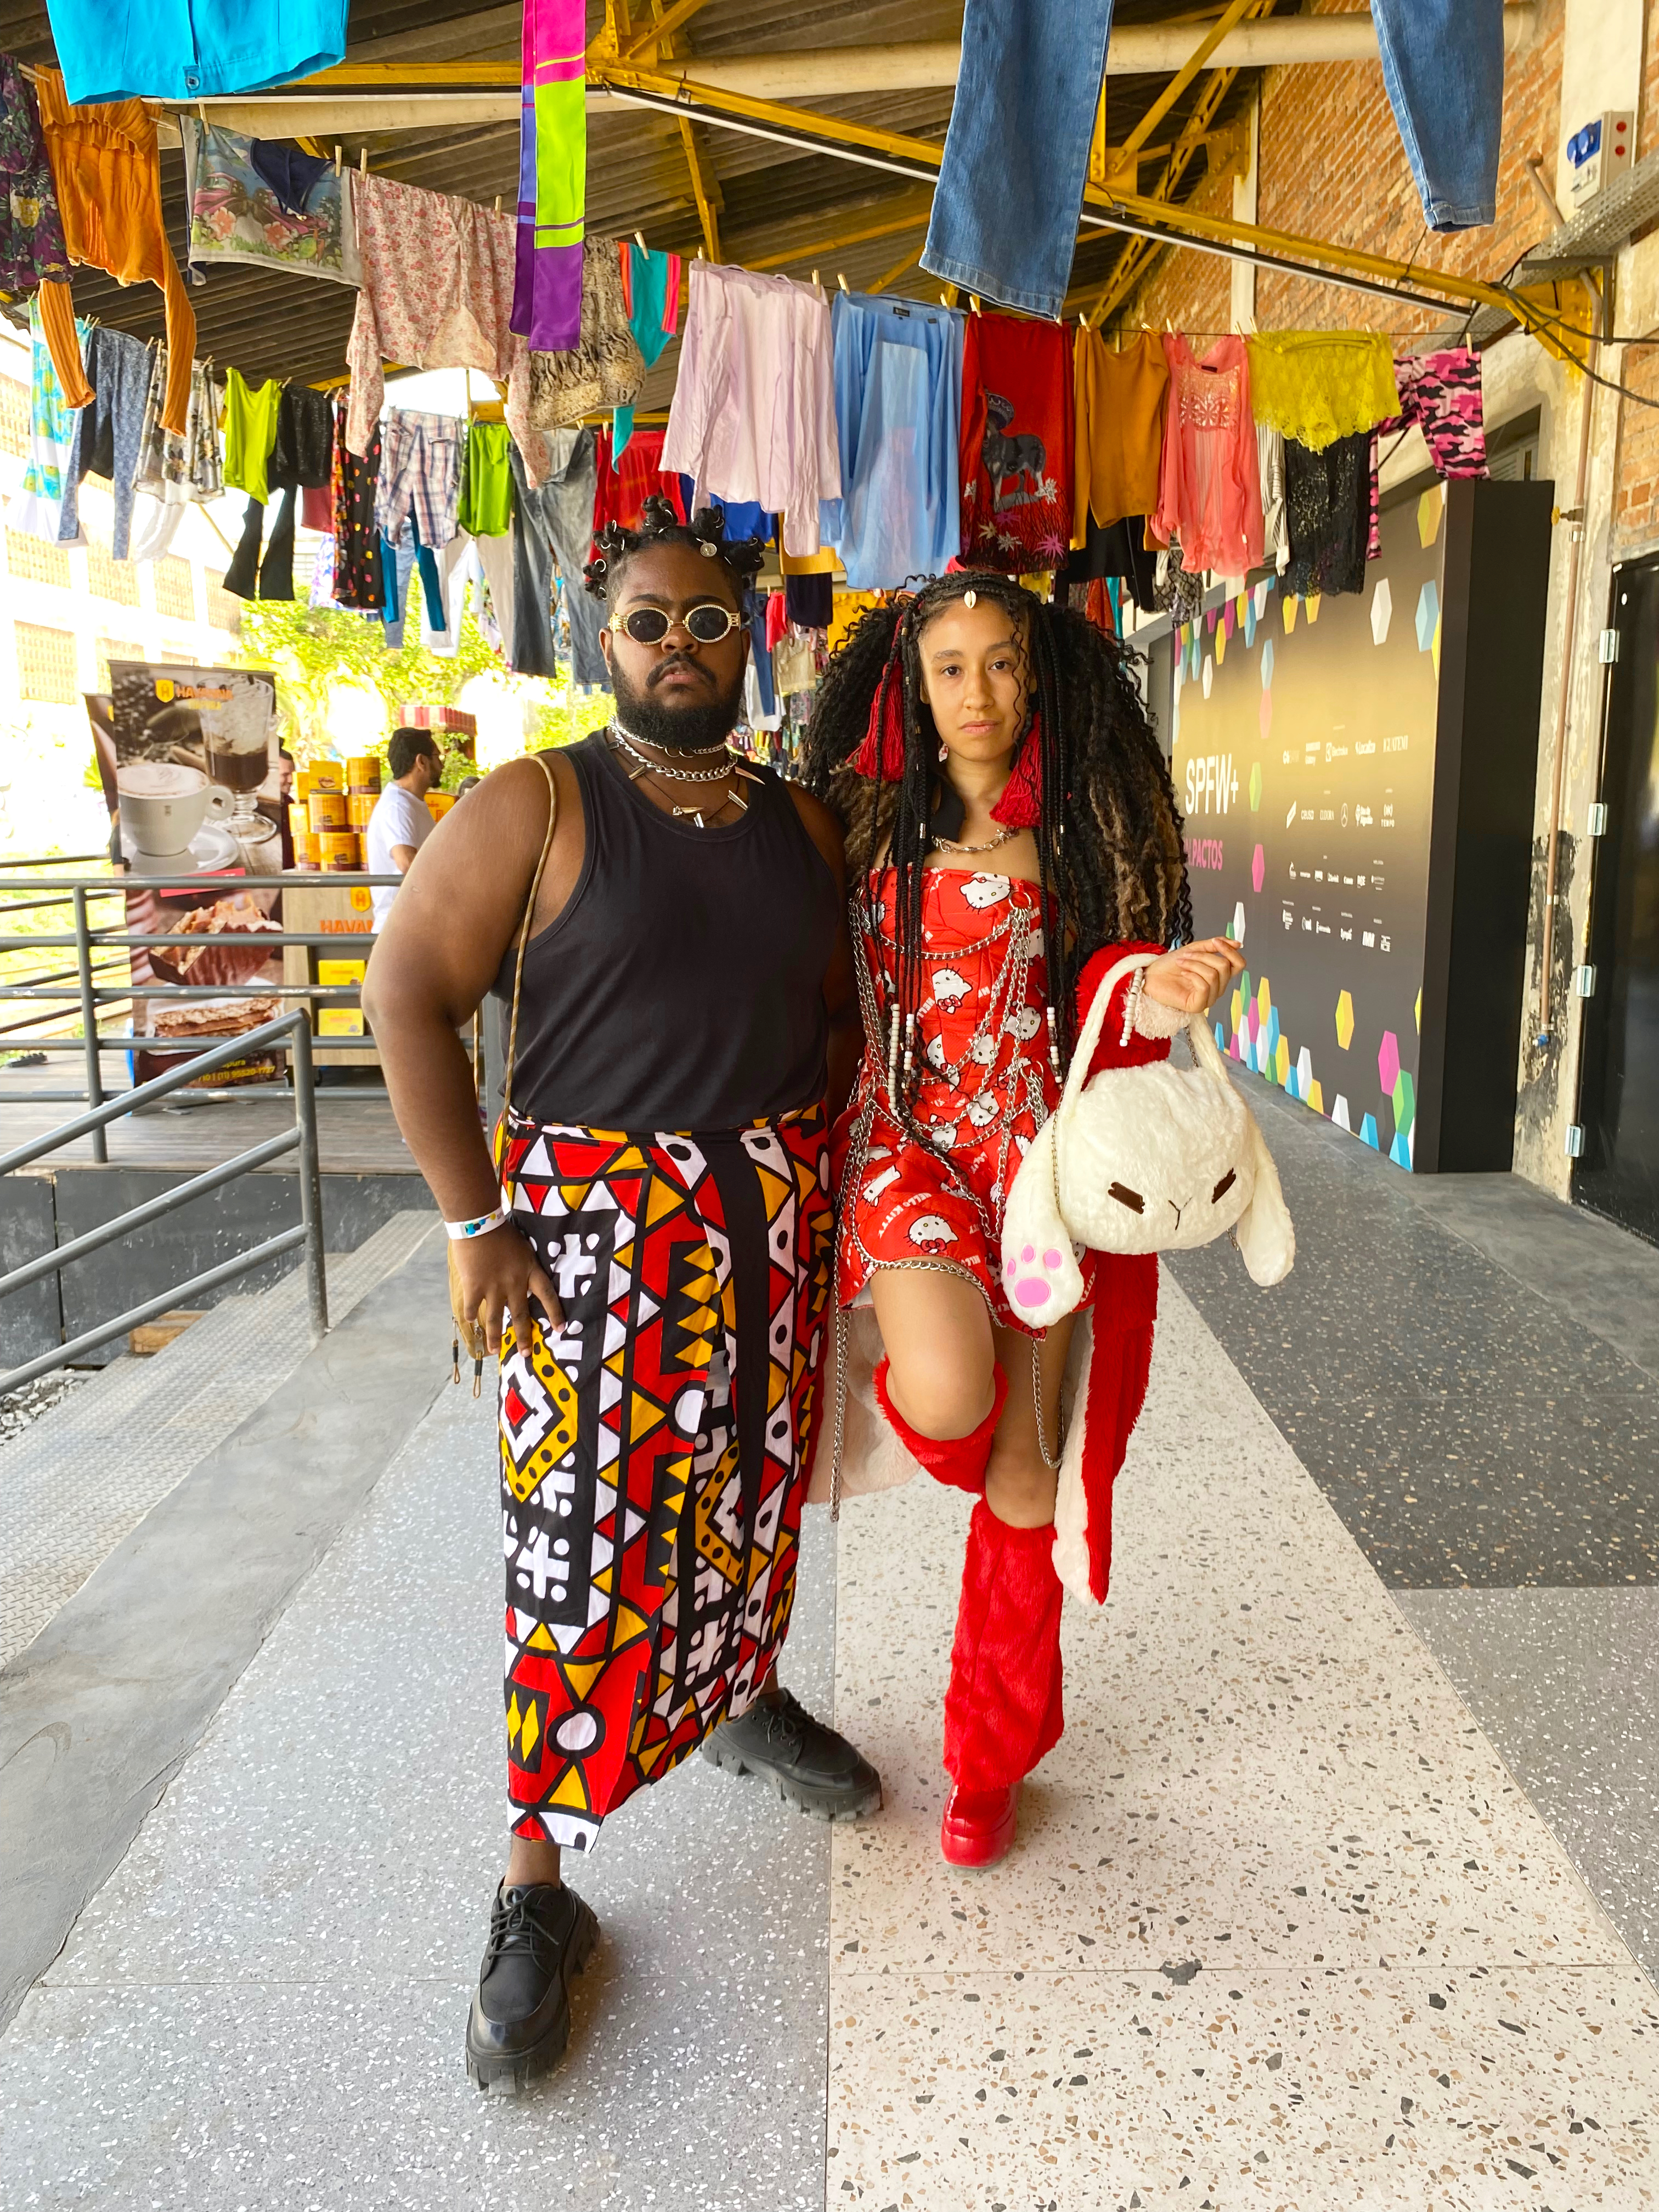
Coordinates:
(682,987)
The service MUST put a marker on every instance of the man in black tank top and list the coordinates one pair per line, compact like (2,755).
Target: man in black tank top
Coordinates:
(650,1249)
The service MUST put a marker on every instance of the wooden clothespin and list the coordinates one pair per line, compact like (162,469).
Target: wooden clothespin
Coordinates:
(498,203)
(840,279)
(973,301)
(339,154)
(362,164)
(815,279)
(639,241)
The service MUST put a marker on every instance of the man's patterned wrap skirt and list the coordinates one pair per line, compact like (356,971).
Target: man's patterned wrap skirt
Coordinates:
(655,1451)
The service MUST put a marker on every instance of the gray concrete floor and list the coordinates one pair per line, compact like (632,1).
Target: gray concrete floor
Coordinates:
(262,1982)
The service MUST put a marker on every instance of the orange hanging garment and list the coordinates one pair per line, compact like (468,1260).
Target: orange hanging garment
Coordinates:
(1118,443)
(108,175)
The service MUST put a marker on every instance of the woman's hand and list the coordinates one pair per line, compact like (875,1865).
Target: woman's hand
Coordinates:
(1193,978)
(500,1274)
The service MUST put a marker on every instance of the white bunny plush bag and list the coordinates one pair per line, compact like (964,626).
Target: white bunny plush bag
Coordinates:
(1141,1159)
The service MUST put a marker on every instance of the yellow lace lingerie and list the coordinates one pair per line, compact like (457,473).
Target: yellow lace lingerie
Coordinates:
(1319,385)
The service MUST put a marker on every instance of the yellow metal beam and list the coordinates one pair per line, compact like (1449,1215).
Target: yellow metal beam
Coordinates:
(1183,77)
(889,276)
(663,29)
(1133,265)
(705,187)
(914,218)
(831,131)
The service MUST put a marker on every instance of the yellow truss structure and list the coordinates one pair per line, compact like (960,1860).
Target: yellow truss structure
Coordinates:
(1414,282)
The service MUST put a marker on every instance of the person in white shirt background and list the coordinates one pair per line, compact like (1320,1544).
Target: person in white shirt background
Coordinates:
(400,824)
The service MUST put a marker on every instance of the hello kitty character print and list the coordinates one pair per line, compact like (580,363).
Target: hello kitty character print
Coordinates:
(984,1087)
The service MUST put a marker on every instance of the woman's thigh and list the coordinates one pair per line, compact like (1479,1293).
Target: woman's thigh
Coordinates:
(936,1335)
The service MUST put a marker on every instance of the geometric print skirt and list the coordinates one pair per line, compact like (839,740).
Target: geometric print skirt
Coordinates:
(655,1451)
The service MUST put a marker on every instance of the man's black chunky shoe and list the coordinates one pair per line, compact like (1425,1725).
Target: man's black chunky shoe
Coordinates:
(541,1936)
(808,1764)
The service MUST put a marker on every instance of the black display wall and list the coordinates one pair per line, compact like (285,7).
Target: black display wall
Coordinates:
(1358,776)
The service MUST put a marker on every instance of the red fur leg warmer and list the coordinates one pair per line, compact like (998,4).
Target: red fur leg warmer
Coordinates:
(958,1460)
(1002,1710)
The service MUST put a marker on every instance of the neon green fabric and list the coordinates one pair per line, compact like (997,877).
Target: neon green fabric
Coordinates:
(486,509)
(250,433)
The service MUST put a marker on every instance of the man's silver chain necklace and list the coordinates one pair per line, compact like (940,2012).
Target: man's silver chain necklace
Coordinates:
(625,744)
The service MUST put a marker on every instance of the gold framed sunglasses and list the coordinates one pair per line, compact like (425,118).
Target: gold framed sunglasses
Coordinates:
(708,622)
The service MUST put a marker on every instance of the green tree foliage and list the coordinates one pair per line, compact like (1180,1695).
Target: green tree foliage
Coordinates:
(312,649)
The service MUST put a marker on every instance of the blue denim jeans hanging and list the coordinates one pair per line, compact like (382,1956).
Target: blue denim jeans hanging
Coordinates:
(1442,64)
(1011,184)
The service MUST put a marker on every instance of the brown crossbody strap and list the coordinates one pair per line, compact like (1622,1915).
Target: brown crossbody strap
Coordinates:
(524,933)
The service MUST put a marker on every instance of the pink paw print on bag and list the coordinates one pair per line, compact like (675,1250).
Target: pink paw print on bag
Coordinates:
(1043,1284)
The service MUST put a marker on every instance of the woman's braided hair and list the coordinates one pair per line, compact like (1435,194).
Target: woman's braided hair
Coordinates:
(1111,865)
(741,557)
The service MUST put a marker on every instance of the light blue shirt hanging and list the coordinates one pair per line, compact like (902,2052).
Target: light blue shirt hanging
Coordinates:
(898,404)
(112,50)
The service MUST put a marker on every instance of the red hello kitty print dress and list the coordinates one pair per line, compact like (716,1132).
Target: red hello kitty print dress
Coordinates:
(985,1086)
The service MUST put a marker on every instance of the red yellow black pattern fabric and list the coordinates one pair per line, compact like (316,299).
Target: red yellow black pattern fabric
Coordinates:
(655,1451)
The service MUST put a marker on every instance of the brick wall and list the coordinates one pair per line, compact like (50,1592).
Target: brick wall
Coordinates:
(1331,165)
(1636,479)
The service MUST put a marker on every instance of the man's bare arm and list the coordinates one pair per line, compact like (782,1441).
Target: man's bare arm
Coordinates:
(457,912)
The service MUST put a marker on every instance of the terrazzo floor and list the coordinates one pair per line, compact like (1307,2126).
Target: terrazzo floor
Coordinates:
(1334,1894)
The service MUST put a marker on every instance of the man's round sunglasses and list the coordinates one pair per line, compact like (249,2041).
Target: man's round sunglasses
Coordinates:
(708,622)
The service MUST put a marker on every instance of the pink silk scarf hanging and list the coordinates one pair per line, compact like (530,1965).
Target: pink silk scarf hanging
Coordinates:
(547,288)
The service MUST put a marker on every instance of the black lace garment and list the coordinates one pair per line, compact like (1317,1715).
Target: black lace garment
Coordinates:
(1328,506)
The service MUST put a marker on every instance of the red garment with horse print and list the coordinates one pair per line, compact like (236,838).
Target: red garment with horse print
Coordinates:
(1016,451)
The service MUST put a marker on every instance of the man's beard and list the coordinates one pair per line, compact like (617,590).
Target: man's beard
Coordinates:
(686,724)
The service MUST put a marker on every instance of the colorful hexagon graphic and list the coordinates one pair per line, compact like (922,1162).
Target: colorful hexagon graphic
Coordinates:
(1404,1103)
(1266,717)
(1209,674)
(1434,646)
(1236,1010)
(1258,871)
(1282,1060)
(1255,785)
(1368,1133)
(1387,1061)
(1264,1000)
(1268,662)
(1248,618)
(1400,1151)
(1230,616)
(1313,606)
(1339,1112)
(1345,1020)
(1224,631)
(1429,508)
(1417,1011)
(1304,1071)
(1427,618)
(1290,605)
(1314,1096)
(1220,1038)
(1382,611)
(1259,596)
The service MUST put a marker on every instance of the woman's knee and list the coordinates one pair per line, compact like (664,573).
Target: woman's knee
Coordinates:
(939,1396)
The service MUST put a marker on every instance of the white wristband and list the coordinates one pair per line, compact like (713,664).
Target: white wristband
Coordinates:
(459,1232)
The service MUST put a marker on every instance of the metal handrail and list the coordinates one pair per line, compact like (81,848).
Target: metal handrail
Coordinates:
(91,990)
(296,1030)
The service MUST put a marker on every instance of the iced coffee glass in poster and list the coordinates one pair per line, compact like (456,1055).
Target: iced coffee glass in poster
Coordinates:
(1303,762)
(192,759)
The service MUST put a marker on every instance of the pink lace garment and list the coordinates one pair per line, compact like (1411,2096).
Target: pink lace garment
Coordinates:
(1209,484)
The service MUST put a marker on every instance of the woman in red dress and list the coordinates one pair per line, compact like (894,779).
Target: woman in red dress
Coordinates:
(1011,824)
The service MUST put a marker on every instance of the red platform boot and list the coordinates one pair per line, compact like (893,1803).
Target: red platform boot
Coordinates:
(958,1460)
(1003,1709)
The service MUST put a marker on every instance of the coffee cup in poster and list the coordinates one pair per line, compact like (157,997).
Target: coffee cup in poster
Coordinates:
(163,804)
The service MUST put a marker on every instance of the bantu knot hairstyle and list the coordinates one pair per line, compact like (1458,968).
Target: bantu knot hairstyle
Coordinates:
(740,557)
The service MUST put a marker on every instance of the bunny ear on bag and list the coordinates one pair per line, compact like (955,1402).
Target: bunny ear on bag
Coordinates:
(1263,1232)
